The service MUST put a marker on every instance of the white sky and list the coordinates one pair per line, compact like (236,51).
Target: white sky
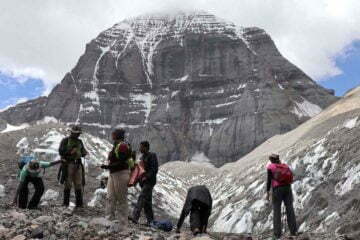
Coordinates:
(45,38)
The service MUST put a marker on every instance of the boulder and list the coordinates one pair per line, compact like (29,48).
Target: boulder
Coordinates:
(100,222)
(42,220)
(50,196)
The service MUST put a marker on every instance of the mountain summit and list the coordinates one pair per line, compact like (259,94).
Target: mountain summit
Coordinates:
(198,87)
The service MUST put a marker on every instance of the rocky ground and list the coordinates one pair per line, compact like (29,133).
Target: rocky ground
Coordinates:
(56,222)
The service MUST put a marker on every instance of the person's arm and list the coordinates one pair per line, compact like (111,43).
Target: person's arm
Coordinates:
(83,150)
(49,164)
(268,184)
(62,148)
(185,212)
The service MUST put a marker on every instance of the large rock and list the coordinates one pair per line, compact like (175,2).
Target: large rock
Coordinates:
(50,196)
(190,83)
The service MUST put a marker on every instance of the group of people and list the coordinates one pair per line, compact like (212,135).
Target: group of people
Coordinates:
(198,203)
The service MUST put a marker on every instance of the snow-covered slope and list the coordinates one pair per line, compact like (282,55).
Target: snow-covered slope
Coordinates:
(323,152)
(324,155)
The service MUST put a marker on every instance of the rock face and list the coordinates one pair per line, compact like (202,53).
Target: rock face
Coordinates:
(190,83)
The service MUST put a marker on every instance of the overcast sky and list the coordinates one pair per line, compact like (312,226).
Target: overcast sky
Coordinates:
(44,38)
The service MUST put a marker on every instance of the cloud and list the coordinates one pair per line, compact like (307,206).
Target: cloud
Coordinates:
(46,38)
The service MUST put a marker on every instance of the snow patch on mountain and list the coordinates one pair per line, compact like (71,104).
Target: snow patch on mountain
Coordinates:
(47,120)
(47,147)
(351,123)
(146,100)
(306,109)
(200,157)
(352,177)
(11,128)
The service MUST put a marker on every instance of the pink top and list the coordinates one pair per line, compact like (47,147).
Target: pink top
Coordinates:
(272,167)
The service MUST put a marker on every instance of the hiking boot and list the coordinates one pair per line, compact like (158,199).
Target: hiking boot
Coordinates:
(66,198)
(131,219)
(78,198)
(196,232)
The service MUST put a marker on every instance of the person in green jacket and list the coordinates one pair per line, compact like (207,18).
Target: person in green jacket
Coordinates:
(72,172)
(31,173)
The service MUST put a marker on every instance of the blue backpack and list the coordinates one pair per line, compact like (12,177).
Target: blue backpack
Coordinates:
(24,160)
(164,225)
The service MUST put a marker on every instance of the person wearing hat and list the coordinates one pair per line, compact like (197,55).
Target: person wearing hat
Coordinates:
(31,173)
(279,178)
(72,172)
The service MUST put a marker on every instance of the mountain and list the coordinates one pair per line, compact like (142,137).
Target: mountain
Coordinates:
(191,83)
(324,155)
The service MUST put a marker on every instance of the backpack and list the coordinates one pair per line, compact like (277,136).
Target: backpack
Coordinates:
(130,155)
(24,160)
(164,225)
(282,174)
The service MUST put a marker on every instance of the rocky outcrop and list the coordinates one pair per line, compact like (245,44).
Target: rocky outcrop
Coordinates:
(3,125)
(190,83)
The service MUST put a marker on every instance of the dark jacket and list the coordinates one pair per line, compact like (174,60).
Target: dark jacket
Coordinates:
(197,193)
(151,168)
(118,161)
(269,179)
(65,152)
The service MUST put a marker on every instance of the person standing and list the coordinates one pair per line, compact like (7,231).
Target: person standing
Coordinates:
(199,204)
(30,173)
(72,171)
(147,183)
(279,178)
(117,190)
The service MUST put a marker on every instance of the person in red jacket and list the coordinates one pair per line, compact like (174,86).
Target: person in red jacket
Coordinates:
(279,179)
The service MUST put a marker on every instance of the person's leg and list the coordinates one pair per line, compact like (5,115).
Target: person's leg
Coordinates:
(195,221)
(277,200)
(23,194)
(290,213)
(39,191)
(148,209)
(110,205)
(78,185)
(204,218)
(139,205)
(68,184)
(122,180)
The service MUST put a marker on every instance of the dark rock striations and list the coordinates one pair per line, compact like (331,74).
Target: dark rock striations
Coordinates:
(190,83)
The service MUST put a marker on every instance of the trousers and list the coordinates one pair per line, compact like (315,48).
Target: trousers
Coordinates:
(283,194)
(24,192)
(117,191)
(145,202)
